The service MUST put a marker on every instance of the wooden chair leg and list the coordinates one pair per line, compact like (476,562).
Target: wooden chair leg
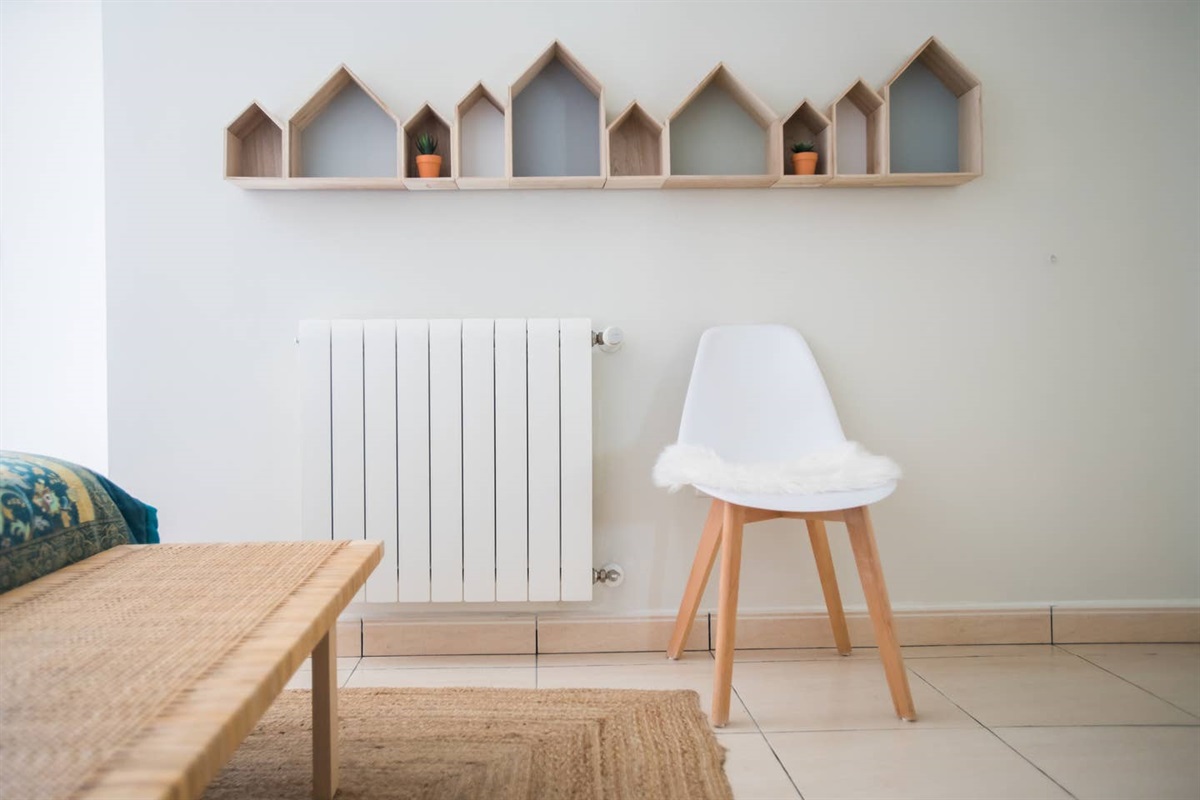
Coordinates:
(706,554)
(731,565)
(829,584)
(866,553)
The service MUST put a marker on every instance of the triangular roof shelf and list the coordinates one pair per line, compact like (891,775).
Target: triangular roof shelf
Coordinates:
(424,111)
(333,85)
(865,99)
(635,111)
(251,118)
(573,65)
(477,93)
(809,115)
(720,75)
(944,66)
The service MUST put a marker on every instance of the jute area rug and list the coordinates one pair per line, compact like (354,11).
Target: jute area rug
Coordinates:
(488,744)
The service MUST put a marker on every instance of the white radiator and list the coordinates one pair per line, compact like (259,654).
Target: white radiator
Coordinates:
(465,446)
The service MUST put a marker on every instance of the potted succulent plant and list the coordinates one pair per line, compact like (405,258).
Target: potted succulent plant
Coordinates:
(804,158)
(429,163)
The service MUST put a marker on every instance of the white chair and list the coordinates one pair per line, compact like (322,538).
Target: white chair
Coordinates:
(757,397)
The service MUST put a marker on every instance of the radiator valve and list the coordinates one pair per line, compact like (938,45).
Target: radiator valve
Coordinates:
(609,574)
(608,340)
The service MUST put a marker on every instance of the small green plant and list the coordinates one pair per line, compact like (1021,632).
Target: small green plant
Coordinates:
(427,144)
(803,147)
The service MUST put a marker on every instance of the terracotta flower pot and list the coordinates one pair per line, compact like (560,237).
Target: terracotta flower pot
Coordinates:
(429,166)
(804,163)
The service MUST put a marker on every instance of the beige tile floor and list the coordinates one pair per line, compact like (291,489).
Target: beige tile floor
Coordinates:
(1015,721)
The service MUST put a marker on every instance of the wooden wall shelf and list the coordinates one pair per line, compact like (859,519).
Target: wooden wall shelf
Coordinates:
(807,124)
(572,154)
(479,148)
(254,145)
(321,184)
(925,178)
(426,120)
(635,151)
(720,79)
(341,80)
(871,106)
(964,129)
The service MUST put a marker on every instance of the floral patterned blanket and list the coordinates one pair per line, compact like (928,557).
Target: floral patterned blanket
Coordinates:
(54,513)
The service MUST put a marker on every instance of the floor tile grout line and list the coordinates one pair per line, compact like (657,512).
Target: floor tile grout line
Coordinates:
(1139,643)
(917,727)
(869,658)
(1087,660)
(439,669)
(998,737)
(351,675)
(914,726)
(766,741)
(467,666)
(1181,725)
(759,728)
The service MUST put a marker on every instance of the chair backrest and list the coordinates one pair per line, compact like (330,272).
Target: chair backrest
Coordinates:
(757,395)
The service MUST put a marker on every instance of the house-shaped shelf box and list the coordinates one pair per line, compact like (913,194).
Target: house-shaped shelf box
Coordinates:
(254,145)
(426,120)
(807,124)
(345,137)
(637,150)
(859,121)
(478,143)
(934,120)
(723,136)
(555,125)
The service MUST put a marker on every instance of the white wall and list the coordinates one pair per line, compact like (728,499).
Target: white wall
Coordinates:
(1045,409)
(53,395)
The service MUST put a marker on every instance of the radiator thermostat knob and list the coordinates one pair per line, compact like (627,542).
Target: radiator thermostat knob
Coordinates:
(610,339)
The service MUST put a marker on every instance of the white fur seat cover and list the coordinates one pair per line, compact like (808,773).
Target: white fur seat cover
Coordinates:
(848,467)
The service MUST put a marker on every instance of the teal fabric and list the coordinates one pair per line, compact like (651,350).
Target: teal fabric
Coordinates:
(141,518)
(54,513)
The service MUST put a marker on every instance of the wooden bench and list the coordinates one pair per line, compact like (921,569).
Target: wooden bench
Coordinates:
(136,673)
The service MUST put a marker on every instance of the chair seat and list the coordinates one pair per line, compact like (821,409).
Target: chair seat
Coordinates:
(839,477)
(820,501)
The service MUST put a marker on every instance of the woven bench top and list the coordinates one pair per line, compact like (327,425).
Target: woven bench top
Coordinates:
(137,672)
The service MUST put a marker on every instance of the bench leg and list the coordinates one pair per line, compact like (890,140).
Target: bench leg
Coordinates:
(325,716)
